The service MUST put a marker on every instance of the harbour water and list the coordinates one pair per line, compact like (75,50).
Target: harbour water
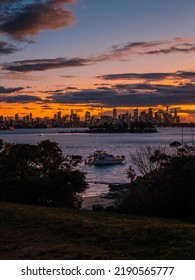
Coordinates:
(85,144)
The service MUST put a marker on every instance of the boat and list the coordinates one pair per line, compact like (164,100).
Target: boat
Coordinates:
(104,158)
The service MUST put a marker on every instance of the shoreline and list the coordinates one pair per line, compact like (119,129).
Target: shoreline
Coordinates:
(110,131)
(103,200)
(99,200)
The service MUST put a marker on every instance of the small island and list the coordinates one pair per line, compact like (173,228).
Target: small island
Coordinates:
(133,127)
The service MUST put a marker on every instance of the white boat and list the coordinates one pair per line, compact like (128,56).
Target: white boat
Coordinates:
(103,158)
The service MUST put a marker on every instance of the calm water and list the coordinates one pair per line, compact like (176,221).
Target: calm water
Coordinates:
(84,144)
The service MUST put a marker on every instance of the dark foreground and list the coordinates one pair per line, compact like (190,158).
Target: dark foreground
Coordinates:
(29,232)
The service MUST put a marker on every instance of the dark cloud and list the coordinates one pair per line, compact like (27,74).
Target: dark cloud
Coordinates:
(68,76)
(27,18)
(120,51)
(172,50)
(45,64)
(186,74)
(133,76)
(136,45)
(176,45)
(6,48)
(19,99)
(18,76)
(46,107)
(4,90)
(124,95)
(141,47)
(28,108)
(149,76)
(71,88)
(116,53)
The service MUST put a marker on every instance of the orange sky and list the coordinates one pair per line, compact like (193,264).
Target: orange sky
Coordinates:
(138,55)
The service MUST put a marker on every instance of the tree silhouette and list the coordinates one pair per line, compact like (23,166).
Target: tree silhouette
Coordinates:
(166,186)
(40,173)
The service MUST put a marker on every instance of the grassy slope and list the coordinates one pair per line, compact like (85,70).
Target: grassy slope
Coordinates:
(29,232)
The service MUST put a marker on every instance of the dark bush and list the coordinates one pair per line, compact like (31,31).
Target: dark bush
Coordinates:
(39,174)
(167,190)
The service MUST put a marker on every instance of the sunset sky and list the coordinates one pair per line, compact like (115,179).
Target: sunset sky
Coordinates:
(87,54)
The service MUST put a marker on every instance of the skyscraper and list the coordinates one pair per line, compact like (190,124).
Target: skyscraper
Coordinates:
(114,113)
(59,116)
(87,116)
(71,115)
(150,114)
(135,116)
(16,117)
(30,118)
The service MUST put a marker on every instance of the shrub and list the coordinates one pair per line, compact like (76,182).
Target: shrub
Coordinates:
(39,174)
(166,190)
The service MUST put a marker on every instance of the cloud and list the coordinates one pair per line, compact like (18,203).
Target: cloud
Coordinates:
(18,76)
(4,90)
(123,95)
(27,108)
(119,95)
(71,88)
(28,18)
(133,76)
(20,99)
(123,50)
(175,49)
(119,52)
(46,107)
(175,45)
(6,48)
(133,46)
(68,76)
(45,64)
(149,76)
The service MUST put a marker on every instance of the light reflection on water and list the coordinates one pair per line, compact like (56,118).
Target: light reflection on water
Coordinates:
(85,144)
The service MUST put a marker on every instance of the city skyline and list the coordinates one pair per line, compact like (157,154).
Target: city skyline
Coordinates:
(168,117)
(114,112)
(59,54)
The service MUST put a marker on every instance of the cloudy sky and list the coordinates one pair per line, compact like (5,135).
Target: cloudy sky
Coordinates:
(87,54)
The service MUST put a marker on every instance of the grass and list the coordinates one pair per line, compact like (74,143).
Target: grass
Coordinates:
(30,232)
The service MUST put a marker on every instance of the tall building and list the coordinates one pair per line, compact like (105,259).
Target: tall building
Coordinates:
(158,117)
(87,116)
(59,115)
(114,112)
(143,116)
(101,112)
(71,115)
(150,114)
(16,117)
(125,117)
(30,118)
(175,113)
(176,117)
(135,116)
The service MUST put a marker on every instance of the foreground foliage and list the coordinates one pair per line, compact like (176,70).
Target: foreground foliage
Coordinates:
(39,174)
(32,232)
(166,186)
